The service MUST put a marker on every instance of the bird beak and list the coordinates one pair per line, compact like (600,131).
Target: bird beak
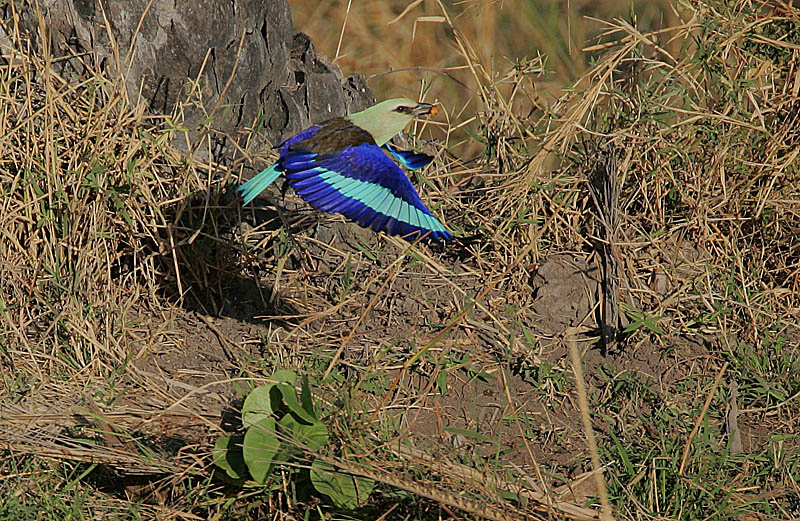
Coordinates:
(425,109)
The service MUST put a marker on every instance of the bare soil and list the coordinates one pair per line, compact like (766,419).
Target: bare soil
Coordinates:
(496,380)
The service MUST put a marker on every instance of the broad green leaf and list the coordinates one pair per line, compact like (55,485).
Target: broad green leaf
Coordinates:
(286,376)
(228,456)
(257,405)
(261,445)
(289,396)
(345,490)
(312,437)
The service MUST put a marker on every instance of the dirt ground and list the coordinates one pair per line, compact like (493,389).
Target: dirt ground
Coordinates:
(197,357)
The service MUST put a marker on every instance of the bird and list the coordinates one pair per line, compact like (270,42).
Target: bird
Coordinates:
(341,166)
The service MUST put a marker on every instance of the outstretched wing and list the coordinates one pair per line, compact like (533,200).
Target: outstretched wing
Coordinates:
(408,158)
(360,182)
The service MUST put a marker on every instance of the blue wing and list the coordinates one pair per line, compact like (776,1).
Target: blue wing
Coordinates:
(409,159)
(363,184)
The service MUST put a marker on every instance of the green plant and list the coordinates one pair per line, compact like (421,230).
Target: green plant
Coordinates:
(640,319)
(282,430)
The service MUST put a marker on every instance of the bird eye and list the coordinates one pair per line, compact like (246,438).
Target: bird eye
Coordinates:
(402,109)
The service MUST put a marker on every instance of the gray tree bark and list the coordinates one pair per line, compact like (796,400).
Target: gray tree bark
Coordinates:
(242,53)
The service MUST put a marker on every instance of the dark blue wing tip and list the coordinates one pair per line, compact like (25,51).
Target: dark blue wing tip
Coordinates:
(409,159)
(411,233)
(427,236)
(438,237)
(366,217)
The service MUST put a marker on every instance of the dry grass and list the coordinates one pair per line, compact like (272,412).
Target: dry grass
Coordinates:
(419,48)
(99,216)
(670,167)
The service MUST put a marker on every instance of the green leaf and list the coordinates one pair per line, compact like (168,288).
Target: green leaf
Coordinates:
(345,490)
(257,406)
(483,376)
(312,437)
(441,381)
(475,136)
(261,445)
(306,399)
(623,454)
(470,433)
(284,376)
(228,456)
(289,396)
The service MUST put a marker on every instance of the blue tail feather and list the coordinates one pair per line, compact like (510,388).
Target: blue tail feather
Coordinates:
(258,184)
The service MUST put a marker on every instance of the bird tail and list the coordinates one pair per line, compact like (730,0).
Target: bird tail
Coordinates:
(258,184)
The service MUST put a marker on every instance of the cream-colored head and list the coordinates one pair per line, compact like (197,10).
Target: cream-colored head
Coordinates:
(388,118)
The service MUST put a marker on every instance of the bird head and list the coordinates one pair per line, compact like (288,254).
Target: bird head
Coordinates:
(388,118)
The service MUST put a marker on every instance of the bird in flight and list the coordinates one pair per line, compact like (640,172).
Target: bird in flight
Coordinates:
(339,166)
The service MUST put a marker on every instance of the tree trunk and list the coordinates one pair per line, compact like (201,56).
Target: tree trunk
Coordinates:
(242,54)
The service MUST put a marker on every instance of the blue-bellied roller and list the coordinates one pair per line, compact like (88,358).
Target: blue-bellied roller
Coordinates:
(339,166)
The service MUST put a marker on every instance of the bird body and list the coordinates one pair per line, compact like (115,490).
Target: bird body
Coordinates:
(339,166)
